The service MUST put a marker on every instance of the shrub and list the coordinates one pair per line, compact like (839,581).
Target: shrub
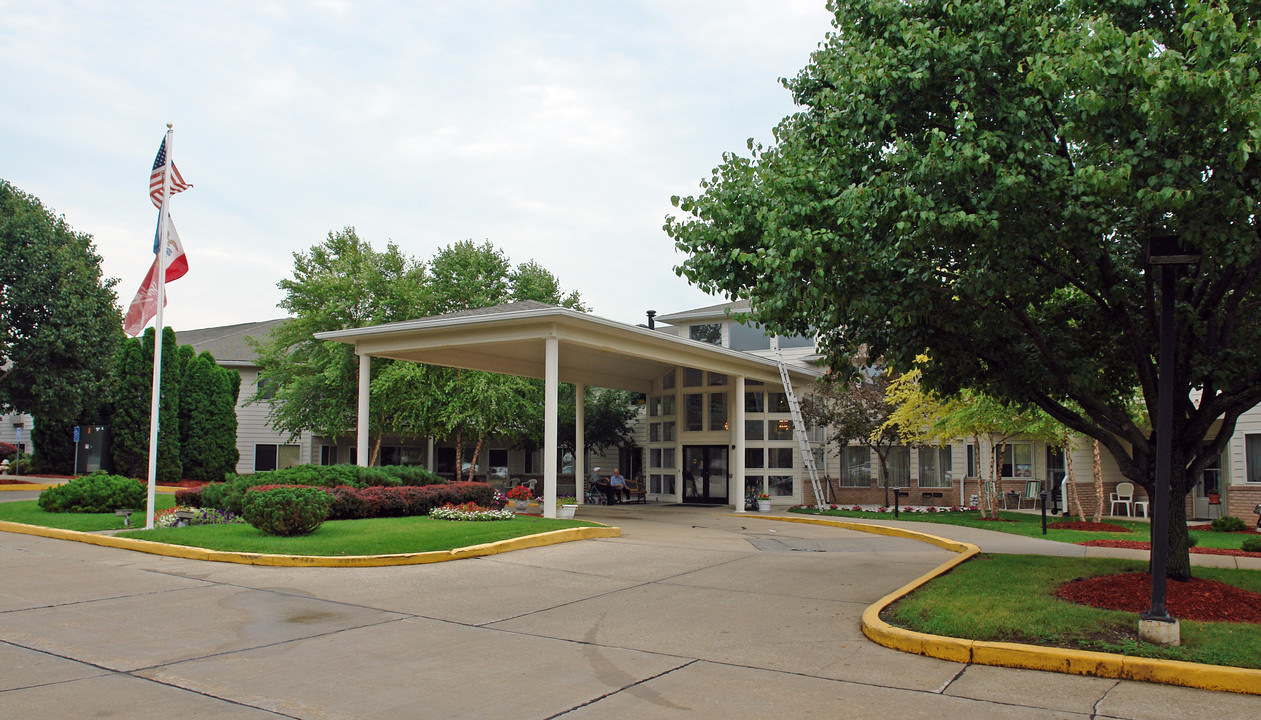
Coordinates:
(1228,523)
(1251,544)
(189,497)
(412,475)
(345,503)
(286,510)
(98,492)
(1192,541)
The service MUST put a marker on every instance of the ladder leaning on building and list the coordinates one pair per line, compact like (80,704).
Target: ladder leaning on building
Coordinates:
(799,427)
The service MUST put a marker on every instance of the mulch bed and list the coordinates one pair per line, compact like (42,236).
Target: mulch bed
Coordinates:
(1209,528)
(1139,545)
(7,481)
(1087,525)
(1196,599)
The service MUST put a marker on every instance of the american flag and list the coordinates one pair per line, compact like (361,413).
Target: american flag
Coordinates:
(155,179)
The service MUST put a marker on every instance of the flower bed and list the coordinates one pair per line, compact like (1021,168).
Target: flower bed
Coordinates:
(202,516)
(470,512)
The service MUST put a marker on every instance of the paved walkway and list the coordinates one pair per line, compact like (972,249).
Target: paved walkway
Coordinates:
(691,613)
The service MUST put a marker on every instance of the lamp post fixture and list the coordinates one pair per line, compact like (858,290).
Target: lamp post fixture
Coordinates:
(1156,625)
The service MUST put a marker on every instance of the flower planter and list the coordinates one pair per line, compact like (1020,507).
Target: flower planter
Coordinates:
(521,505)
(565,512)
(764,506)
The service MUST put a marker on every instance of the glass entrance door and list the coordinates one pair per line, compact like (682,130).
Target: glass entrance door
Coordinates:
(705,474)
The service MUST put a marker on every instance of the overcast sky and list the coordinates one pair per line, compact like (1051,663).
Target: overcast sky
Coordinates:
(556,130)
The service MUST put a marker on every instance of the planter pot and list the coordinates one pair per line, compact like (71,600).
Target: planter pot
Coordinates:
(521,505)
(763,505)
(565,512)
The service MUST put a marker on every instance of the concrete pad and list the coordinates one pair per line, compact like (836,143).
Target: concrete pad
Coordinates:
(798,635)
(420,668)
(142,631)
(626,559)
(36,579)
(1148,701)
(121,696)
(24,668)
(707,690)
(862,579)
(1031,688)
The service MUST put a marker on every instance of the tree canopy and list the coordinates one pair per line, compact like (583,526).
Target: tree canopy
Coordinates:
(58,321)
(980,180)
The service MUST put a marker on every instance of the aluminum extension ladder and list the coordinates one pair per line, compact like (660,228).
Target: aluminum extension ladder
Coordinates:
(799,426)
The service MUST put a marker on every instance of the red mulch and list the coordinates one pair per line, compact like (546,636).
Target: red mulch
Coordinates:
(184,483)
(7,481)
(1086,525)
(1249,531)
(1196,599)
(1139,545)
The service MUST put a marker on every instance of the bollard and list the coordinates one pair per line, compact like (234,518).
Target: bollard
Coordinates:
(1042,497)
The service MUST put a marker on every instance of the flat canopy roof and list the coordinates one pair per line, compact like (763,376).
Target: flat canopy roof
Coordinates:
(510,339)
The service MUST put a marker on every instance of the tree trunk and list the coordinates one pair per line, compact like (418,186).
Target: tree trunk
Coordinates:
(477,452)
(1179,567)
(1071,485)
(376,451)
(1098,476)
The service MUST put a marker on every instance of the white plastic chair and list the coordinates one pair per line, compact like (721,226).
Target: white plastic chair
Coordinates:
(1123,496)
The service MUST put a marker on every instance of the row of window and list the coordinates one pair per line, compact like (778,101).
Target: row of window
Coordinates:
(744,337)
(755,401)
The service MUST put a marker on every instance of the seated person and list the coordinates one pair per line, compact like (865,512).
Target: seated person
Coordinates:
(616,486)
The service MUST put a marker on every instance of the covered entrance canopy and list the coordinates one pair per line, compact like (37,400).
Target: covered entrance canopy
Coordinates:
(554,344)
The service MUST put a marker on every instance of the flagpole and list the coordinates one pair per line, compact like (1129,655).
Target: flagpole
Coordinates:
(155,404)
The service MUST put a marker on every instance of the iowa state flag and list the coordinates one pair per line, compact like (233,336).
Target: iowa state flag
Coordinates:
(145,304)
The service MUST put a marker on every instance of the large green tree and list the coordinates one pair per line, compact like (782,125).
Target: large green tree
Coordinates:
(979,180)
(132,402)
(59,325)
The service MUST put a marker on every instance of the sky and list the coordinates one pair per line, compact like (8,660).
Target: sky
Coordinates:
(558,131)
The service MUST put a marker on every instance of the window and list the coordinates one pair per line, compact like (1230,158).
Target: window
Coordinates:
(779,457)
(1018,460)
(667,458)
(654,484)
(1252,458)
(654,457)
(748,337)
(794,341)
(276,457)
(855,467)
(934,467)
(781,485)
(716,379)
(755,402)
(718,411)
(667,380)
(753,484)
(265,388)
(654,406)
(753,430)
(899,465)
(534,462)
(328,454)
(1213,477)
(694,412)
(444,460)
(692,377)
(777,402)
(779,430)
(401,455)
(708,333)
(970,470)
(667,431)
(668,405)
(499,463)
(654,432)
(754,458)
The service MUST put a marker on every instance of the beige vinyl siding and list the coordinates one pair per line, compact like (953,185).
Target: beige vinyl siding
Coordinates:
(252,427)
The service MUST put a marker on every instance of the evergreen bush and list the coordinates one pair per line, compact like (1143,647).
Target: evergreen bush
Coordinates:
(1251,544)
(1228,523)
(98,492)
(286,510)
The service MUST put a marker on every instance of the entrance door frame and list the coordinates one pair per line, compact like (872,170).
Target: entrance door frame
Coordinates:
(706,498)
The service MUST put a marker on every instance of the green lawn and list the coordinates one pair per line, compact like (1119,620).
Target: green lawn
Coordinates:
(1030,525)
(377,536)
(28,512)
(1010,598)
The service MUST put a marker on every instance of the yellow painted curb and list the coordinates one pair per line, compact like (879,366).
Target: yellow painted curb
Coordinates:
(191,553)
(1030,657)
(28,487)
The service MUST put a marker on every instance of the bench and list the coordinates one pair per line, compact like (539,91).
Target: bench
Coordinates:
(634,492)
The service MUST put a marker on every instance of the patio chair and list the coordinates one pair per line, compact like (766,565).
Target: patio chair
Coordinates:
(1032,494)
(1123,496)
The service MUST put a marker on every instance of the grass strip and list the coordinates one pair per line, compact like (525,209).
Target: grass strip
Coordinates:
(376,536)
(28,512)
(1030,525)
(1011,598)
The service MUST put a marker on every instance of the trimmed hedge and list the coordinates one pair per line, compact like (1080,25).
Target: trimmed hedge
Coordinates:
(98,492)
(286,510)
(229,495)
(348,503)
(189,497)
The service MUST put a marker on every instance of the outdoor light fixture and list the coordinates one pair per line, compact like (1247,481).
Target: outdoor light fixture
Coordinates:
(1156,625)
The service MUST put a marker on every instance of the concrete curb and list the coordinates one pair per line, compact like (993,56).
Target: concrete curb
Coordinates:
(1029,657)
(554,537)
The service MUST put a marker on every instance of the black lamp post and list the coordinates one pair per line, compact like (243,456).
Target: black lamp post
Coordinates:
(1165,252)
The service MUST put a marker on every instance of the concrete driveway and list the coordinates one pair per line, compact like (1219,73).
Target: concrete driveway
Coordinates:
(691,613)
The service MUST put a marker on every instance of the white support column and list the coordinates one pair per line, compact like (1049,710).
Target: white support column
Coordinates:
(580,437)
(737,462)
(365,383)
(551,382)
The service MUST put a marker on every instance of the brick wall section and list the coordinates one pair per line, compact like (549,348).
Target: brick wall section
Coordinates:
(1240,500)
